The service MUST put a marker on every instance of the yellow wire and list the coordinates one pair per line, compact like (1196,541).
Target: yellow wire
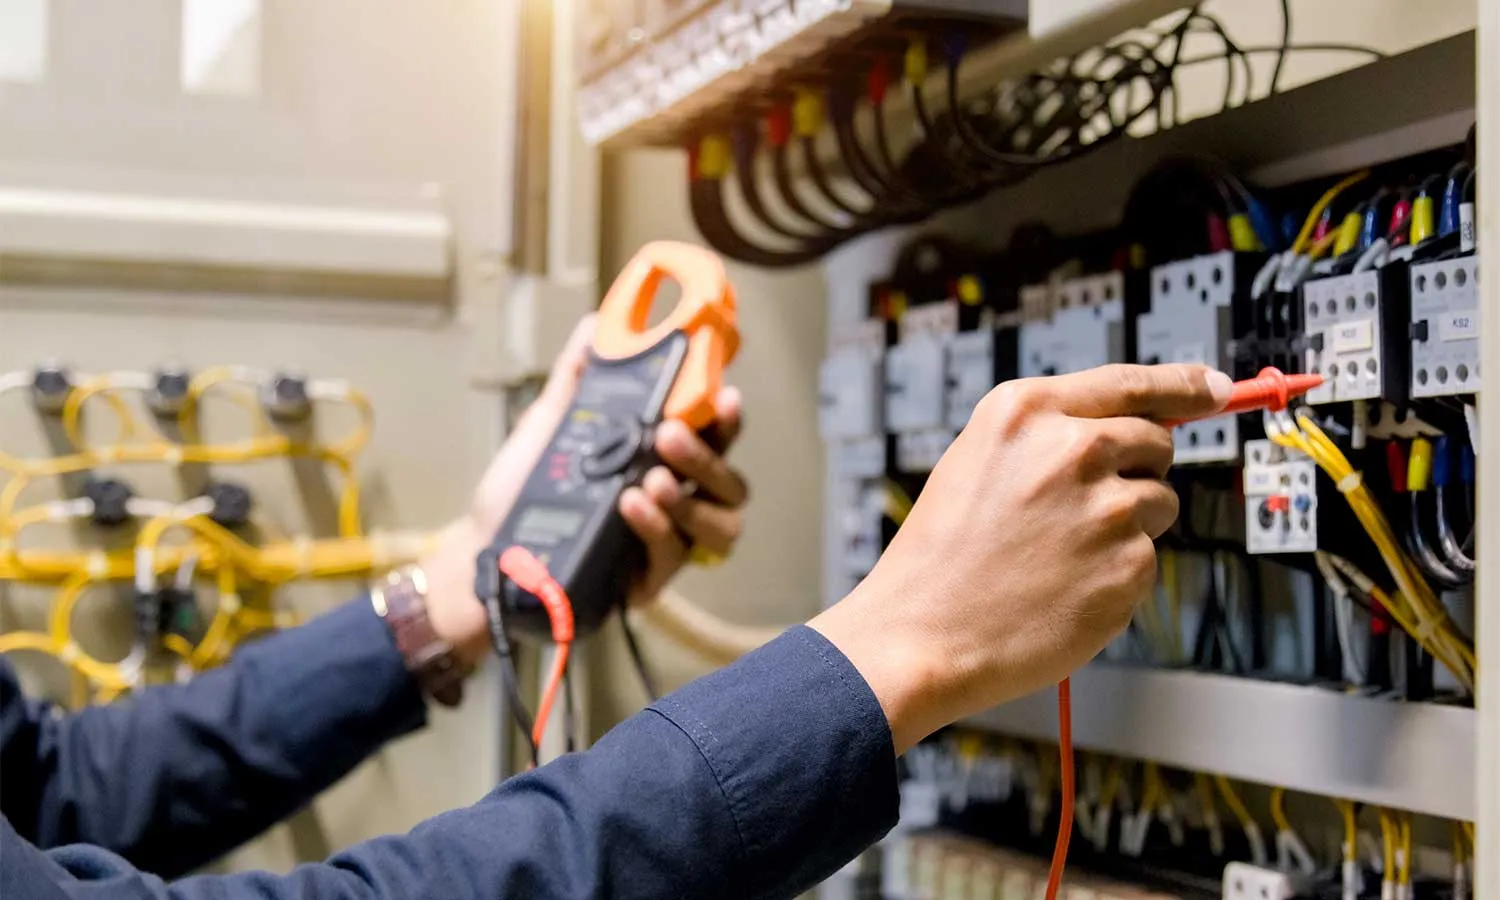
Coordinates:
(1235,804)
(1316,212)
(1351,828)
(1404,866)
(1415,607)
(1387,847)
(73,407)
(35,641)
(898,502)
(1278,810)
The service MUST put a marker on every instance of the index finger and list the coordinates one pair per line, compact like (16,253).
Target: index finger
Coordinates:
(729,416)
(1162,393)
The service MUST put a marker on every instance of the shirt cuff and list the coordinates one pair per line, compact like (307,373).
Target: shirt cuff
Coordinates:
(802,752)
(347,677)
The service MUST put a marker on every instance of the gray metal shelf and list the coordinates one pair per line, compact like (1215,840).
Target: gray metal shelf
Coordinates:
(1414,756)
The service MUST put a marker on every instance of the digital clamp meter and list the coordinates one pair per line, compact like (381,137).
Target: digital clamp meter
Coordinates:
(568,512)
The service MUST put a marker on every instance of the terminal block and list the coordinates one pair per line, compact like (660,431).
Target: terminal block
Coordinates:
(851,394)
(1281,499)
(1085,327)
(1194,319)
(1445,327)
(1356,330)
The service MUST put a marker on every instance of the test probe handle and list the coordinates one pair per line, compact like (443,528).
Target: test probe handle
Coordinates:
(1270,389)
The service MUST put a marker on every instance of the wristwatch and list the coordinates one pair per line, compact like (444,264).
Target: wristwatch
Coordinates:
(400,598)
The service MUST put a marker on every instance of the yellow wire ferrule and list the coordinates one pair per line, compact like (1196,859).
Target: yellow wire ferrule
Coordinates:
(1419,465)
(807,112)
(916,61)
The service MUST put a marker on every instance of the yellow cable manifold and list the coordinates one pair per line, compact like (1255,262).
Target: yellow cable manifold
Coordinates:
(244,574)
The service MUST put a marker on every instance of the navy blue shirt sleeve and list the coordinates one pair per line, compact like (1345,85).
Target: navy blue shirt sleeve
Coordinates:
(176,775)
(756,781)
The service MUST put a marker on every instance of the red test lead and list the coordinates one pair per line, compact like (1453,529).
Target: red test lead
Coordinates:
(1271,389)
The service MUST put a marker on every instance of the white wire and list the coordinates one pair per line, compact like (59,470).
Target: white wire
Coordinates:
(1373,257)
(14,381)
(1471,422)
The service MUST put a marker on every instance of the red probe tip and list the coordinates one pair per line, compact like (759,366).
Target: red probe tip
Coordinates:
(1271,389)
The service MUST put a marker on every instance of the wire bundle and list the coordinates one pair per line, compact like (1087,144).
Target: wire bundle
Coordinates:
(244,574)
(957,153)
(1414,606)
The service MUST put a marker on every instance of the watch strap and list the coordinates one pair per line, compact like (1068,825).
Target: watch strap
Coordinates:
(400,597)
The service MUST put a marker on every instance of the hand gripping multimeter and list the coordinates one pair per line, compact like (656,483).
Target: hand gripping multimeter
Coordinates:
(568,514)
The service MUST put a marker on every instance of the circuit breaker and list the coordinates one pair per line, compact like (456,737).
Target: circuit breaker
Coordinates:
(851,396)
(1356,333)
(862,537)
(1084,328)
(916,378)
(1281,499)
(971,374)
(1445,327)
(1191,320)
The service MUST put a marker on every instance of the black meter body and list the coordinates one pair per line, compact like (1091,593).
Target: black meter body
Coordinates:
(567,514)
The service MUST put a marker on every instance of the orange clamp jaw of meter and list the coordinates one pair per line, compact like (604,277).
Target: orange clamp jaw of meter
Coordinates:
(705,313)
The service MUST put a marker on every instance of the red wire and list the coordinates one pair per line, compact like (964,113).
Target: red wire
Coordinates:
(549,694)
(1065,822)
(530,574)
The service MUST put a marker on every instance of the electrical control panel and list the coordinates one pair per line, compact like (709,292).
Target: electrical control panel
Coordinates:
(861,530)
(1445,327)
(1281,500)
(851,384)
(1356,335)
(916,382)
(1191,321)
(649,72)
(1085,327)
(971,374)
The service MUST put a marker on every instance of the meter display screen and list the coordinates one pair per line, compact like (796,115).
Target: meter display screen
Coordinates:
(548,524)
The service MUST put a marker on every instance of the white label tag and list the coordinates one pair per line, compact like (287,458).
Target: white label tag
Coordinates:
(1459,326)
(1353,337)
(1468,237)
(1259,481)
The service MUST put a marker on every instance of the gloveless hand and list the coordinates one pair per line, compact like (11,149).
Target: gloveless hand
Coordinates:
(669,517)
(1029,547)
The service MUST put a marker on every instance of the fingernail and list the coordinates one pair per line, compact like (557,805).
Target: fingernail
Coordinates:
(1220,385)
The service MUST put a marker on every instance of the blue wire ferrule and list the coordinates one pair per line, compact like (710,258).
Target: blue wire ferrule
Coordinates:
(1440,462)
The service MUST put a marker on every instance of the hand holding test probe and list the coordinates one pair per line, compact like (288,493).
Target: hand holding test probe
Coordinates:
(1044,512)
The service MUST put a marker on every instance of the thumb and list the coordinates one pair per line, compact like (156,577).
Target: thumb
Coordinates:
(568,368)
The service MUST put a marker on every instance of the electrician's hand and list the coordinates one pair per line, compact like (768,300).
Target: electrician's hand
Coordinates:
(668,513)
(1029,547)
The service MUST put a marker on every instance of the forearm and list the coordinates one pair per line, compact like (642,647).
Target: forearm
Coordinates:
(756,781)
(180,774)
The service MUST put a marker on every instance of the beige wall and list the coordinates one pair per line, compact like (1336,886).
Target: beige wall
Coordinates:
(384,104)
(773,576)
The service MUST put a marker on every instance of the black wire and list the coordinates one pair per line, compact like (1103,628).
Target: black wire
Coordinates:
(501,641)
(1286,41)
(820,180)
(781,170)
(749,185)
(636,657)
